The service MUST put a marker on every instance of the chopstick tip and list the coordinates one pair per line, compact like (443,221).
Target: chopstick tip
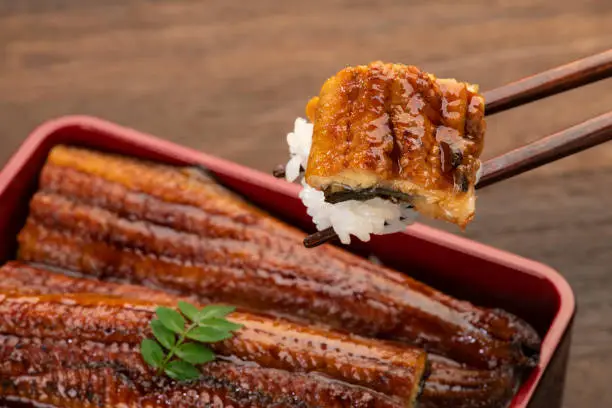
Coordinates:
(320,237)
(279,171)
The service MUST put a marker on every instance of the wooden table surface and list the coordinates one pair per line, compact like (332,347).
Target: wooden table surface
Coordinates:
(230,80)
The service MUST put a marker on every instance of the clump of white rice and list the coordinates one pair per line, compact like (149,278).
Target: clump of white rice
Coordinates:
(358,218)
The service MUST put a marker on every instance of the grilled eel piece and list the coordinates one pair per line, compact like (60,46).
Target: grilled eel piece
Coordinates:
(88,374)
(364,369)
(451,385)
(396,130)
(121,219)
(448,386)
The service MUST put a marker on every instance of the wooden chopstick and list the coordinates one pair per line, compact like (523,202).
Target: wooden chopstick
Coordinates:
(548,149)
(554,81)
(554,147)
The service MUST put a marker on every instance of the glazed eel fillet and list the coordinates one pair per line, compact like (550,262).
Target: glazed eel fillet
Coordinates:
(394,131)
(57,346)
(448,385)
(177,230)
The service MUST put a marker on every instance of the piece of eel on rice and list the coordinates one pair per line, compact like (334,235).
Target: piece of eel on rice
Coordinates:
(396,132)
(449,385)
(70,349)
(172,229)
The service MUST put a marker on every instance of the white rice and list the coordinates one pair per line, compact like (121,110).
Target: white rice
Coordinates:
(358,218)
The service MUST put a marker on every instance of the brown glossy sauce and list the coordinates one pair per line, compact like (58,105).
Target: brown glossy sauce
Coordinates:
(398,123)
(448,382)
(82,331)
(123,220)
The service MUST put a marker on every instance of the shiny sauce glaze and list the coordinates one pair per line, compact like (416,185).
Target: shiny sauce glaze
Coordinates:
(447,385)
(397,122)
(174,233)
(270,343)
(116,218)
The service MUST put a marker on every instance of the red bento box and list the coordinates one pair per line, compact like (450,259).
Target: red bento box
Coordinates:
(460,267)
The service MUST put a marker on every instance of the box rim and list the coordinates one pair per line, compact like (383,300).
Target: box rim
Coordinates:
(567,302)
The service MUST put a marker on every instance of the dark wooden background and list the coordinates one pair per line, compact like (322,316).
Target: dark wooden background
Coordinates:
(229,78)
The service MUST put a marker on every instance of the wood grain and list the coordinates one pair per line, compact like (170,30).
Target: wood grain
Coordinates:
(230,81)
(551,82)
(548,149)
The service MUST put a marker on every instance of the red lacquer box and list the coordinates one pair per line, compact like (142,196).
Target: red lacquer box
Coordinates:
(458,266)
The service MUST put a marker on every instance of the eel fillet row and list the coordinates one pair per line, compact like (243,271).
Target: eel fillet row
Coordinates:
(177,230)
(448,385)
(82,374)
(359,369)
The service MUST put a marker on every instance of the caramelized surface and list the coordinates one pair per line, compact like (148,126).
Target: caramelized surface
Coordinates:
(453,386)
(117,218)
(269,343)
(449,384)
(394,126)
(24,279)
(79,374)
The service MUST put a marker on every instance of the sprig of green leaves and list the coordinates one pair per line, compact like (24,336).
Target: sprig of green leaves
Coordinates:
(177,347)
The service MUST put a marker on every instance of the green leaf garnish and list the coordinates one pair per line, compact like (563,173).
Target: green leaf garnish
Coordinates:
(220,324)
(208,335)
(182,334)
(195,353)
(219,311)
(189,310)
(152,353)
(181,370)
(171,319)
(164,336)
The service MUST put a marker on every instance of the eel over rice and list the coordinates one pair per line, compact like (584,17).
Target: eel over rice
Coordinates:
(392,130)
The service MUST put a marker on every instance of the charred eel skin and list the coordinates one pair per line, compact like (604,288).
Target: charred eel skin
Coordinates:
(448,386)
(79,374)
(118,218)
(382,367)
(452,386)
